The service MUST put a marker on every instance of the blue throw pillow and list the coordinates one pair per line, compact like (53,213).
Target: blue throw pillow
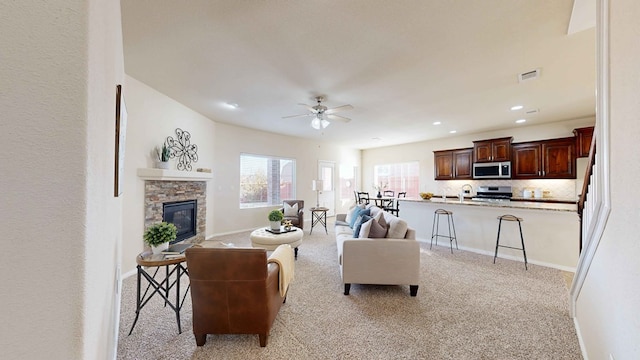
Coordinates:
(361,220)
(357,213)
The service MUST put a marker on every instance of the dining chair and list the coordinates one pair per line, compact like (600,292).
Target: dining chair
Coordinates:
(363,197)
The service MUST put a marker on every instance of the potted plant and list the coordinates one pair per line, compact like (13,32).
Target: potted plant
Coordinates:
(159,235)
(275,217)
(162,155)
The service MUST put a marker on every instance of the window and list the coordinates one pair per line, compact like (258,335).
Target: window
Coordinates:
(266,180)
(347,182)
(399,177)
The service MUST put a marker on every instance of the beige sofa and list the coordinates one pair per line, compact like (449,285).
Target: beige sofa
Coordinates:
(384,261)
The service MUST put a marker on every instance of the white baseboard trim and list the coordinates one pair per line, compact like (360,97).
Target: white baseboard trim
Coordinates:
(508,257)
(583,349)
(129,273)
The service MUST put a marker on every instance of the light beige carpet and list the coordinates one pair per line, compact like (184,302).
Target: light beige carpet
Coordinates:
(466,308)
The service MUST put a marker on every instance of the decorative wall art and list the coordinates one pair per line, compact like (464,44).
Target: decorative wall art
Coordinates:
(182,149)
(121,127)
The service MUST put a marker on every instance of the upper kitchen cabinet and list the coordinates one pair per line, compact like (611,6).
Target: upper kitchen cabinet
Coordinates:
(492,150)
(547,159)
(453,164)
(583,140)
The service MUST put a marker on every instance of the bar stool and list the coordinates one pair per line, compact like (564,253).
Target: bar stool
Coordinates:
(435,229)
(510,218)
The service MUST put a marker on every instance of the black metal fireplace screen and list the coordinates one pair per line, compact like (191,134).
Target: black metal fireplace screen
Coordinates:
(183,214)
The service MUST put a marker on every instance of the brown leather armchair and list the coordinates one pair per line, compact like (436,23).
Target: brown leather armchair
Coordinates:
(298,220)
(233,291)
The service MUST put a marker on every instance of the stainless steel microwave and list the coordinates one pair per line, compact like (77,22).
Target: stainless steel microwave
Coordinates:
(494,170)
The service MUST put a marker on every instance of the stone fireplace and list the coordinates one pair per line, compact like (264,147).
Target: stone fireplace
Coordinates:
(166,189)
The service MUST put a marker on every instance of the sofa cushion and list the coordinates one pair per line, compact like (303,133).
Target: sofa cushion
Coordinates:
(358,224)
(397,228)
(351,214)
(290,210)
(357,213)
(376,231)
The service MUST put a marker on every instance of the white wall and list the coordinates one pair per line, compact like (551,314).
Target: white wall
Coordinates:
(61,62)
(153,116)
(423,152)
(607,309)
(231,141)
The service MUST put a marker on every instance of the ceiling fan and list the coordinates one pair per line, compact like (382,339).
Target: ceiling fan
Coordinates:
(322,114)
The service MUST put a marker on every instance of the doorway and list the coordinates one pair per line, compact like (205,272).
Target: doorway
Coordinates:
(327,197)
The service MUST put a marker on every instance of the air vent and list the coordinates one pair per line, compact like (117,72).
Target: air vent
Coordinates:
(532,111)
(529,75)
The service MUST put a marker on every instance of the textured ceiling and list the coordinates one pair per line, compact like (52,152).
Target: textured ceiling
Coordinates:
(402,64)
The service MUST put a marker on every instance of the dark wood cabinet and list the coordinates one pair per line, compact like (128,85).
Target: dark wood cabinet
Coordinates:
(492,150)
(443,165)
(463,163)
(547,159)
(453,164)
(583,140)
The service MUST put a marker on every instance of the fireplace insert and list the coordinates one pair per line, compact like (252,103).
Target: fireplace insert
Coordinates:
(183,214)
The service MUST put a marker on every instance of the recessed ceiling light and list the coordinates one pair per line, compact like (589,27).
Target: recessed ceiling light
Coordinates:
(520,121)
(517,107)
(231,105)
(452,132)
(437,123)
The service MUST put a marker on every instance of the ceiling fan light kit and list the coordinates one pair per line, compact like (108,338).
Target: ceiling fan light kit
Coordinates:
(321,113)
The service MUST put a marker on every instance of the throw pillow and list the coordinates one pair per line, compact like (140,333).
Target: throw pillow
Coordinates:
(397,228)
(376,231)
(381,220)
(362,218)
(358,212)
(351,212)
(290,210)
(365,228)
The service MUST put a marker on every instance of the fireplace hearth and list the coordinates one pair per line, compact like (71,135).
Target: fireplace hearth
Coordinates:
(184,215)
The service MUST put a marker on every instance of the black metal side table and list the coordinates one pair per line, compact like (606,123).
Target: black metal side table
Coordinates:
(174,267)
(319,216)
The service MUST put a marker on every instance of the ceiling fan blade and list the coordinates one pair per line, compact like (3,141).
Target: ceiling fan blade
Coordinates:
(337,117)
(309,107)
(295,116)
(338,108)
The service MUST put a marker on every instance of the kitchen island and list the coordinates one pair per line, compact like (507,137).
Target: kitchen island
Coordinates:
(551,230)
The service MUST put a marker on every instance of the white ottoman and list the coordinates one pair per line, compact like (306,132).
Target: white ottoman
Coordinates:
(261,238)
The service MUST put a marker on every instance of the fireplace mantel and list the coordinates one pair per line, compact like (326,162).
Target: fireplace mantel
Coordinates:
(173,175)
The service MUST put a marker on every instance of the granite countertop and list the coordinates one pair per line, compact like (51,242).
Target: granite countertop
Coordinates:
(534,205)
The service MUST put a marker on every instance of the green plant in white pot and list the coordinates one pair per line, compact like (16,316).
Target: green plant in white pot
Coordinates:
(159,235)
(162,155)
(275,217)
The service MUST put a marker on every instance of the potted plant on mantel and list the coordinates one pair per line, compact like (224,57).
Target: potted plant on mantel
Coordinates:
(163,157)
(159,235)
(276,217)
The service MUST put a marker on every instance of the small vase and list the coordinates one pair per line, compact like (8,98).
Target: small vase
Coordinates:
(275,225)
(379,195)
(160,248)
(162,165)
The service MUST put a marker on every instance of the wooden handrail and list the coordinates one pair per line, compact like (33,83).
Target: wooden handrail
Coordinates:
(587,176)
(585,185)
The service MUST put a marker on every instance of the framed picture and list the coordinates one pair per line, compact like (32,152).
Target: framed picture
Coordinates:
(121,127)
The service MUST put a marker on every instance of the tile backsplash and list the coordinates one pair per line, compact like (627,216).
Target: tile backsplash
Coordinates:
(559,189)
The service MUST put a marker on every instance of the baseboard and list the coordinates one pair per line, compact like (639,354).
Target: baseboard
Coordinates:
(129,273)
(509,257)
(583,349)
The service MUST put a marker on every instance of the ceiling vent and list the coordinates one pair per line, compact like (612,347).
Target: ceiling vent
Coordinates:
(529,75)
